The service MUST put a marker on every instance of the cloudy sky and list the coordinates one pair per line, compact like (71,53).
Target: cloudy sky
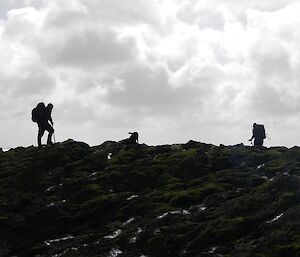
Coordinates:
(173,70)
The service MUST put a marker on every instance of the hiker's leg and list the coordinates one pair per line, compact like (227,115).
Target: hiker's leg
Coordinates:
(39,137)
(49,140)
(258,141)
(51,131)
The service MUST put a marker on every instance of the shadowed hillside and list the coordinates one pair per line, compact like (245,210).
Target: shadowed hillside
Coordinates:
(111,200)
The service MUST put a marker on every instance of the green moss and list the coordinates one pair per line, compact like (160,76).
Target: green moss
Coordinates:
(124,156)
(163,196)
(287,199)
(156,246)
(100,199)
(3,218)
(284,251)
(168,182)
(150,209)
(223,230)
(175,156)
(93,187)
(72,189)
(194,195)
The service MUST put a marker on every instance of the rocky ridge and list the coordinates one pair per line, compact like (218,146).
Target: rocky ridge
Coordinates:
(188,200)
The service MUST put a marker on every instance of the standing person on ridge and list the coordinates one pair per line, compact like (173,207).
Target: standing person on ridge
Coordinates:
(41,115)
(258,134)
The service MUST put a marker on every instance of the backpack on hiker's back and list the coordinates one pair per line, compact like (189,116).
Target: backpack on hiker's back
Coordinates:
(37,112)
(261,131)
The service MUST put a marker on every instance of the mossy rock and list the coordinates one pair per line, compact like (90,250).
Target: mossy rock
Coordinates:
(194,195)
(168,182)
(184,198)
(284,251)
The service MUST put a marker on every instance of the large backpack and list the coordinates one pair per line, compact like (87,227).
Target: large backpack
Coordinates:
(37,112)
(262,131)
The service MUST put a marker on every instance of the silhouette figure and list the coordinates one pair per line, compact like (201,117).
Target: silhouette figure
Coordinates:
(41,114)
(258,134)
(133,139)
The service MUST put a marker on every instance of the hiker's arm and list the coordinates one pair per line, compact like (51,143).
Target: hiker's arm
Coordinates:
(252,135)
(51,121)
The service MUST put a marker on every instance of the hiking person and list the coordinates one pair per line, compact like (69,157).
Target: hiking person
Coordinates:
(41,114)
(258,134)
(133,139)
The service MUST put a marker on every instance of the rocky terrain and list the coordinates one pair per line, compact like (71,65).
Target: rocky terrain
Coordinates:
(189,200)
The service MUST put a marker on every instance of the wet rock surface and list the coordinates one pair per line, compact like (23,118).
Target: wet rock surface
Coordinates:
(193,199)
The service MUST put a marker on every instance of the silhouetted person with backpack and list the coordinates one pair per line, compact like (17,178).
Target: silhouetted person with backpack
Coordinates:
(133,139)
(258,134)
(41,114)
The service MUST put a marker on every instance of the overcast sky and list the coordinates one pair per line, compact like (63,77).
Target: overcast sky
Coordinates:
(173,70)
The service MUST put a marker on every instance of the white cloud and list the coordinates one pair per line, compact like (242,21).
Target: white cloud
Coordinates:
(160,67)
(90,48)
